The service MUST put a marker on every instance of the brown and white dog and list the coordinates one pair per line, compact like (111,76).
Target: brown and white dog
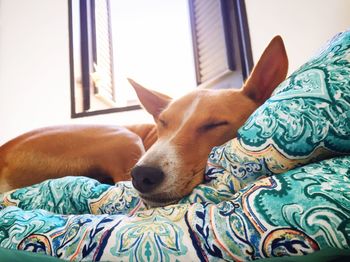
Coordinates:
(187,129)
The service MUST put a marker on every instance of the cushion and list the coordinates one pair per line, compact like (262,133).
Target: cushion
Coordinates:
(306,119)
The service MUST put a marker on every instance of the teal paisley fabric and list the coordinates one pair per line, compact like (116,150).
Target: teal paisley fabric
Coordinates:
(281,188)
(295,213)
(307,119)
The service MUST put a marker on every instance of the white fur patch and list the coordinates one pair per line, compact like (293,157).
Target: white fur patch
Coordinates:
(186,116)
(163,153)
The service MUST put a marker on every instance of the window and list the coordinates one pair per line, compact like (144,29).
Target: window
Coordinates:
(178,44)
(220,42)
(91,55)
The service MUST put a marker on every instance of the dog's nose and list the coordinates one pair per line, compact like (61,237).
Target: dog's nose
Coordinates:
(145,178)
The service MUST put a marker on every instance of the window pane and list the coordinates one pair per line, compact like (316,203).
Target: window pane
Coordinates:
(151,44)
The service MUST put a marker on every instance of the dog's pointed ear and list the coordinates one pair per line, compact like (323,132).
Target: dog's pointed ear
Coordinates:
(153,101)
(268,73)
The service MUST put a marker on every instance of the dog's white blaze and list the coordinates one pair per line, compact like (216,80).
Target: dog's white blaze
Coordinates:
(187,115)
(163,153)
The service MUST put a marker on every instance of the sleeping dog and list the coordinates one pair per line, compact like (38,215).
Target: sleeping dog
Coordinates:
(187,128)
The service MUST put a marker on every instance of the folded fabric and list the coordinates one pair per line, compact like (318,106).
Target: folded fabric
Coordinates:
(306,119)
(296,213)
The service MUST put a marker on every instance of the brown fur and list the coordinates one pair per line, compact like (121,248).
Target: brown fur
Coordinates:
(190,126)
(106,153)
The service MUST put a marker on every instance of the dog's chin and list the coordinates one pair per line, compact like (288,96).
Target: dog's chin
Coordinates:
(159,200)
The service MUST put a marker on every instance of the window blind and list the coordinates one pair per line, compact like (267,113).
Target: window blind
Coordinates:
(211,39)
(103,53)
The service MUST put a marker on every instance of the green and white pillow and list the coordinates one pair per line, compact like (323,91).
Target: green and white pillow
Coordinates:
(306,119)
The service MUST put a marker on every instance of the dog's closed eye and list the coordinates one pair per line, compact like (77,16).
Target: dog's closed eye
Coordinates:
(212,125)
(163,123)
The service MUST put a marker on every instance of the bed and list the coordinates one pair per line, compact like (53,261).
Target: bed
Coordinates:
(280,189)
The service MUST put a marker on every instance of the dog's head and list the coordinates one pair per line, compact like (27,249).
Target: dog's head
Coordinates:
(190,126)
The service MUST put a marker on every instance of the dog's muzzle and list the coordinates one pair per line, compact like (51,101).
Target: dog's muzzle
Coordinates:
(145,178)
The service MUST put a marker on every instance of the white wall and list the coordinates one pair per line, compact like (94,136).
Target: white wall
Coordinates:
(305,25)
(34,54)
(34,74)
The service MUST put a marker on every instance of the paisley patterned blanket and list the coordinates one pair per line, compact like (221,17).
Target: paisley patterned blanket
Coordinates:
(281,188)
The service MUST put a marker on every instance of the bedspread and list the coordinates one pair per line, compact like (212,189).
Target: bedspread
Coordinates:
(281,188)
(296,213)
